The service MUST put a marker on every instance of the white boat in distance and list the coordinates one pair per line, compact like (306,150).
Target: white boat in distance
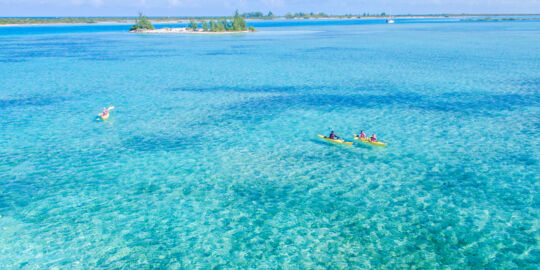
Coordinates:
(390,21)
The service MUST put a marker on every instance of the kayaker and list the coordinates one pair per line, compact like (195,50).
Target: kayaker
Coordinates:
(373,138)
(363,135)
(332,135)
(105,112)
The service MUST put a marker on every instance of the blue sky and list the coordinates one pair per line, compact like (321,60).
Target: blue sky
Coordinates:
(12,8)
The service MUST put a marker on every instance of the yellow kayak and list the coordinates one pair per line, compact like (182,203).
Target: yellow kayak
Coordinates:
(103,118)
(368,141)
(334,141)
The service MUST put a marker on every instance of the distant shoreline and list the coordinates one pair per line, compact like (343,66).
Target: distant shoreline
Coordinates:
(169,20)
(182,30)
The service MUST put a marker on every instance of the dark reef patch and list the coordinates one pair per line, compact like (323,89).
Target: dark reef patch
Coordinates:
(29,101)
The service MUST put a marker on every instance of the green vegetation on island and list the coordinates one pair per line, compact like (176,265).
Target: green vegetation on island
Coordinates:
(235,24)
(142,23)
(258,15)
(306,15)
(490,19)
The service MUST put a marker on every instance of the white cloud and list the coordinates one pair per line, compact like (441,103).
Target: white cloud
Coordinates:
(181,3)
(273,3)
(174,3)
(97,3)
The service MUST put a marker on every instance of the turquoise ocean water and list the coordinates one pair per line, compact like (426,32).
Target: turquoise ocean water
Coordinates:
(211,158)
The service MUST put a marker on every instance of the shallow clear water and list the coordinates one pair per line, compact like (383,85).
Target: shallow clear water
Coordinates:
(211,156)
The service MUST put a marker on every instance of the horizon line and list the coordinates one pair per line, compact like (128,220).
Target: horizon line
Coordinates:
(327,15)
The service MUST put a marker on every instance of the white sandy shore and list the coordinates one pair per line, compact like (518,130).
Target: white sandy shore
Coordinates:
(168,30)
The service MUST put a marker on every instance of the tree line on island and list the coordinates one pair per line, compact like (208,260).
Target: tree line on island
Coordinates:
(237,23)
(142,23)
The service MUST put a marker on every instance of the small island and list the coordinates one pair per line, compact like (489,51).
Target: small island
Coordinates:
(236,24)
(142,24)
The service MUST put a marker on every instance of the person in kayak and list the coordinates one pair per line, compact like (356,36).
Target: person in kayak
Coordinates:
(363,135)
(105,112)
(373,138)
(332,135)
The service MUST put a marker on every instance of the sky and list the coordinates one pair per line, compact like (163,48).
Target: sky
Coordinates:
(55,8)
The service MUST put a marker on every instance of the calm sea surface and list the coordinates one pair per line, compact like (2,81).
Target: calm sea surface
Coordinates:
(211,157)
